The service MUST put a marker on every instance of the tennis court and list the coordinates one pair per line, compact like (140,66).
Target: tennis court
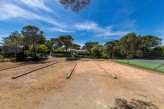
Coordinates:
(155,64)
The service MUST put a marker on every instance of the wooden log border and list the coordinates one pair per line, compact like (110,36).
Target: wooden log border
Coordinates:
(71,71)
(20,65)
(115,77)
(13,67)
(15,77)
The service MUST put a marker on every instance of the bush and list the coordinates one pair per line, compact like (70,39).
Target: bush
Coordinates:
(1,58)
(58,50)
(8,55)
(105,56)
(61,54)
(96,51)
(29,53)
(21,57)
(41,50)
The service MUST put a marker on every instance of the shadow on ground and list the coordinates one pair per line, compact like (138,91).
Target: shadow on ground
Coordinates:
(133,104)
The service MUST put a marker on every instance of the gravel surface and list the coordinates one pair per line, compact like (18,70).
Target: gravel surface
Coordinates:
(89,87)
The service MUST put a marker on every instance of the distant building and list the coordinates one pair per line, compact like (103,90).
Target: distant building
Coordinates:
(78,51)
(11,49)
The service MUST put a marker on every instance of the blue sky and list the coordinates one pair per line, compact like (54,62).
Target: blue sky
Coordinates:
(102,20)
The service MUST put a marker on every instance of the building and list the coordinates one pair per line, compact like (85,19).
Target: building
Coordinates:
(78,51)
(11,49)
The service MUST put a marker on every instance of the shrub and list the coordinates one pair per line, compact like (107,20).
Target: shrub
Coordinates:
(61,54)
(41,50)
(96,51)
(1,58)
(58,50)
(21,56)
(104,55)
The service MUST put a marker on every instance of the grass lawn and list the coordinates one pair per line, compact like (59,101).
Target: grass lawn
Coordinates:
(148,64)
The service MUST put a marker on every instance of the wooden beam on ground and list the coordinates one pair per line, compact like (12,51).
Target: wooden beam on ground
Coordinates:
(71,71)
(20,65)
(107,71)
(15,77)
(13,67)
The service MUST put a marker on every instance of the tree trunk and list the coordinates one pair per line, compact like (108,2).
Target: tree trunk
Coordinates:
(143,52)
(110,55)
(66,48)
(34,46)
(113,56)
(128,57)
(16,53)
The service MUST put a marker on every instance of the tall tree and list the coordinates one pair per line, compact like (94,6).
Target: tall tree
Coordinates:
(40,38)
(66,40)
(97,50)
(14,39)
(31,34)
(147,42)
(89,45)
(159,51)
(112,47)
(75,5)
(75,46)
(129,44)
(56,43)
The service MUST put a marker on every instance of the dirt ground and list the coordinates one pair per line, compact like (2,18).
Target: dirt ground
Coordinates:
(89,87)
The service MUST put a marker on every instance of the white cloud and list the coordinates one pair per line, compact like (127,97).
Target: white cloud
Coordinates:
(16,9)
(62,30)
(97,30)
(8,11)
(36,4)
(86,26)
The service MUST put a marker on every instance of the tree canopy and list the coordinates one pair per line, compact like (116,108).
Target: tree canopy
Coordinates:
(32,36)
(112,47)
(129,46)
(66,40)
(75,5)
(14,39)
(129,43)
(75,46)
(97,51)
(56,42)
(89,45)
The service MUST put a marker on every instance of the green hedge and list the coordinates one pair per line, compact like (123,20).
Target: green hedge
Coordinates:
(13,56)
(64,54)
(83,56)
(8,55)
(61,54)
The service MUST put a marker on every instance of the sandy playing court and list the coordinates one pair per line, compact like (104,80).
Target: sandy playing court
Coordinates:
(89,87)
